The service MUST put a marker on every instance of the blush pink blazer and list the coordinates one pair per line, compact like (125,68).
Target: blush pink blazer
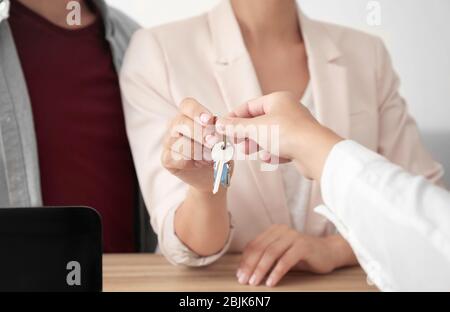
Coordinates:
(355,93)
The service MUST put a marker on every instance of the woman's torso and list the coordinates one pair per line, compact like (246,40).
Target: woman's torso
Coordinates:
(206,58)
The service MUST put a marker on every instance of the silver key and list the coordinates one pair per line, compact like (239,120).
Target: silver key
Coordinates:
(221,154)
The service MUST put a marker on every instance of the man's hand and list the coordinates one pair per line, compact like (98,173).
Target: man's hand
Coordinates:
(302,139)
(281,249)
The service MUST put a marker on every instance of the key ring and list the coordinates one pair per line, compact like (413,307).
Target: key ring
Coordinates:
(224,139)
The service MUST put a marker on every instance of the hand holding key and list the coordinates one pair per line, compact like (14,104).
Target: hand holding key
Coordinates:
(187,152)
(301,137)
(201,221)
(188,144)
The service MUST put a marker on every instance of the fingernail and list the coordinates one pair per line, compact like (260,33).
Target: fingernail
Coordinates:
(269,282)
(243,279)
(253,280)
(211,139)
(238,274)
(205,118)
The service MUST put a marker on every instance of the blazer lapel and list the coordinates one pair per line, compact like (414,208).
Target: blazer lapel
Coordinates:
(238,82)
(328,76)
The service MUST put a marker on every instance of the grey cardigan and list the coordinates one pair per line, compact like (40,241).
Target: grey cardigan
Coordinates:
(19,166)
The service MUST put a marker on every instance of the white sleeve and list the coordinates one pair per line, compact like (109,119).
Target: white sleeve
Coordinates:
(397,224)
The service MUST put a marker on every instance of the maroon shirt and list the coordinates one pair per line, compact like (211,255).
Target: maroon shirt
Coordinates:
(84,155)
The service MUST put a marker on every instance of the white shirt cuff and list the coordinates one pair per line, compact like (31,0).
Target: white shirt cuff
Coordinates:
(178,253)
(344,163)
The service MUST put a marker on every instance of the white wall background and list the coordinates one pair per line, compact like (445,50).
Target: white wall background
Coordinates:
(416,32)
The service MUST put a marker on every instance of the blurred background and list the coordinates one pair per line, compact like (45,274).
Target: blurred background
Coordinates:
(416,32)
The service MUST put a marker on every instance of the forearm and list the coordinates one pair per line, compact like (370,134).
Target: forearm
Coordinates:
(202,222)
(312,147)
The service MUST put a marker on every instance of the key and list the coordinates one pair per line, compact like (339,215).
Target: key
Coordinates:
(222,153)
(226,173)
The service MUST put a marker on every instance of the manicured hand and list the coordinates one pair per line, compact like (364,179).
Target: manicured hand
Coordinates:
(202,221)
(281,249)
(188,143)
(301,138)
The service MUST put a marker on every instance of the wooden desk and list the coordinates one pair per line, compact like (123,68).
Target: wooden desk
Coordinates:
(148,272)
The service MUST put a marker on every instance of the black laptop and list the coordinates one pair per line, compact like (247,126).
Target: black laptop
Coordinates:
(50,249)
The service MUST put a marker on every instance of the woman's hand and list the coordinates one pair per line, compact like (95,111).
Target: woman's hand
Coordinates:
(281,249)
(202,221)
(301,138)
(188,143)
